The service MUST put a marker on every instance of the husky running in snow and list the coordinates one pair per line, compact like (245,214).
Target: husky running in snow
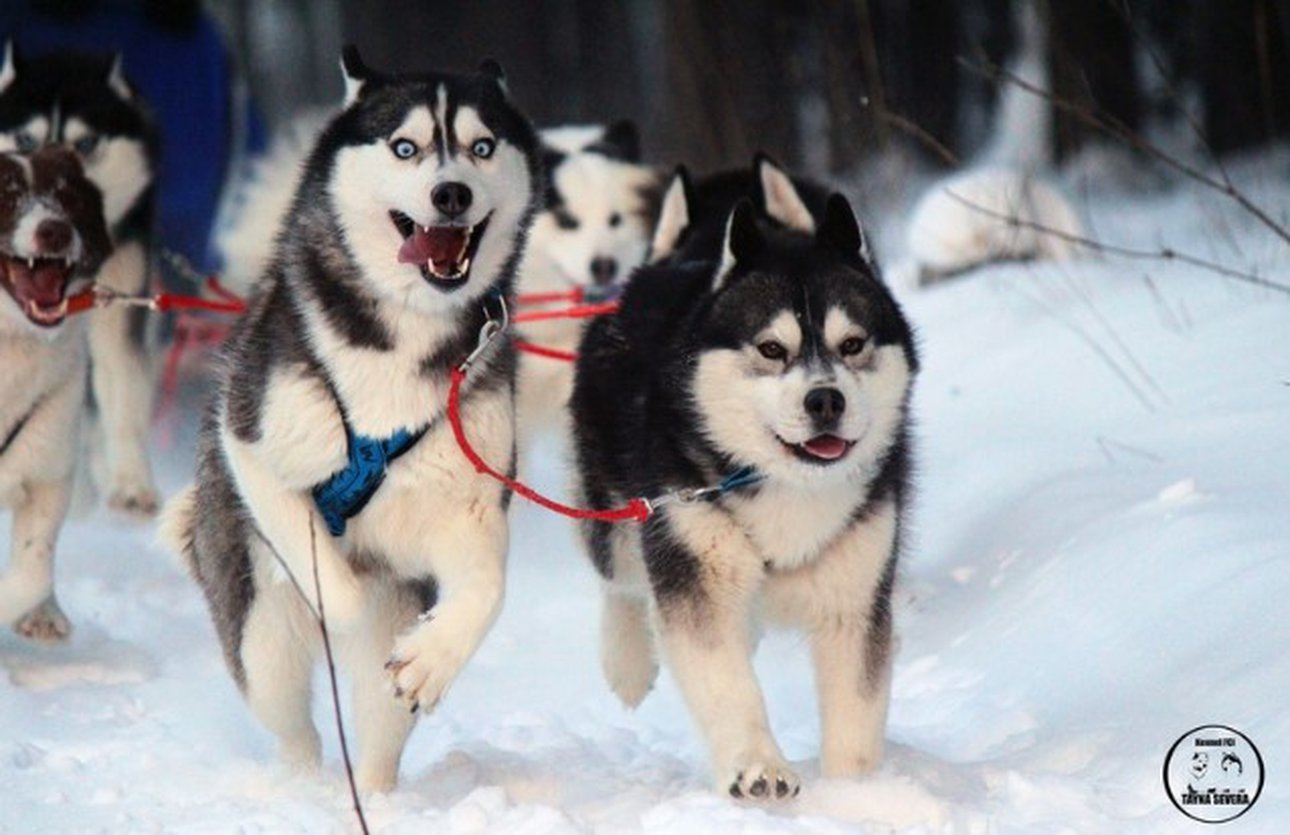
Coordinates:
(773,376)
(85,103)
(327,440)
(53,238)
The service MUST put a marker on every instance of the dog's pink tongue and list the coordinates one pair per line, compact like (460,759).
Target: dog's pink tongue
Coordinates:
(827,447)
(440,244)
(44,285)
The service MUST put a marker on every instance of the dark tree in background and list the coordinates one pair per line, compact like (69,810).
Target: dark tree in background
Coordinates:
(817,83)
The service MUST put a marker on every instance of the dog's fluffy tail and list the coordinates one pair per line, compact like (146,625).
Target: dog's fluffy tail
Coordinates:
(176,526)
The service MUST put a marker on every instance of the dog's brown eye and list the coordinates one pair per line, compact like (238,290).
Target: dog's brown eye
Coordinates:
(565,220)
(851,346)
(615,219)
(772,350)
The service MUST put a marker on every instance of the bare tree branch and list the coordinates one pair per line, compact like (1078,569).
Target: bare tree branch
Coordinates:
(1100,247)
(1115,129)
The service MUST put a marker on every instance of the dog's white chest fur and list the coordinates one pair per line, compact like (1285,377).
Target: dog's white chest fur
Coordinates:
(790,525)
(34,370)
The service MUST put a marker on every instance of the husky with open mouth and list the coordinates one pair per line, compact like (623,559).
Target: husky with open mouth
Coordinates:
(52,239)
(85,104)
(327,444)
(760,397)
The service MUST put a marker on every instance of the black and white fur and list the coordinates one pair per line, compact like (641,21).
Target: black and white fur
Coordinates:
(784,352)
(593,230)
(52,240)
(341,329)
(85,103)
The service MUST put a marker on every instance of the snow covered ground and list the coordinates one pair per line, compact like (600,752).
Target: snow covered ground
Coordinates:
(1101,561)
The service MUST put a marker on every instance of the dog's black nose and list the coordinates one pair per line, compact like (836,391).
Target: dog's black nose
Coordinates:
(603,270)
(53,236)
(453,199)
(825,405)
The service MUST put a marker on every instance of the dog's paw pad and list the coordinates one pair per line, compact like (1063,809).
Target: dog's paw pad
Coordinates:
(45,624)
(764,782)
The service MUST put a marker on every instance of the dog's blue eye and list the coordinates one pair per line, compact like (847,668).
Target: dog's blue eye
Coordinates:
(615,219)
(404,148)
(772,350)
(483,148)
(851,346)
(86,145)
(24,142)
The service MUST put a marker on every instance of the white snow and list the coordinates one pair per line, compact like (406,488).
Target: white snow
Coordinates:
(1100,561)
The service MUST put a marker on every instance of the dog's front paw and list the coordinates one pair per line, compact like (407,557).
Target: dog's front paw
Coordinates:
(630,676)
(763,778)
(45,624)
(421,669)
(134,497)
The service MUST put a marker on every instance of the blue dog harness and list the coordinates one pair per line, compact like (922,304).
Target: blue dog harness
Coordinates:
(344,495)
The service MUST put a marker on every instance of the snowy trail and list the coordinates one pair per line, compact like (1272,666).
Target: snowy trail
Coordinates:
(1097,566)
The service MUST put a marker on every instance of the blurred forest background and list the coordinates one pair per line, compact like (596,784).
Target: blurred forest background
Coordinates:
(823,85)
(819,83)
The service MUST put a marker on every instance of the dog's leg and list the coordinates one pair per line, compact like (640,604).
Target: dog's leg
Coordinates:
(278,644)
(428,657)
(29,578)
(284,517)
(627,646)
(382,724)
(122,381)
(844,600)
(705,593)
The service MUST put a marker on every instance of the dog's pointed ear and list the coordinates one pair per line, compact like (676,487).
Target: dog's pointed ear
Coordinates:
(116,79)
(621,141)
(743,240)
(355,71)
(492,69)
(841,231)
(9,71)
(780,196)
(673,217)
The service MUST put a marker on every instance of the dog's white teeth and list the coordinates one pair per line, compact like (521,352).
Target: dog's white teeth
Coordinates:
(31,263)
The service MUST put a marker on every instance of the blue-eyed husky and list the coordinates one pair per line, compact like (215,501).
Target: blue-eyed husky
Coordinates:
(766,361)
(329,426)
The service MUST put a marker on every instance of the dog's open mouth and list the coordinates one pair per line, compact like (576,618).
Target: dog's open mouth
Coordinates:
(444,253)
(38,285)
(822,449)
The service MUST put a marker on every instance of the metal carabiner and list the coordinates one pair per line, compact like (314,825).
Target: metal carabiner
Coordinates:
(490,331)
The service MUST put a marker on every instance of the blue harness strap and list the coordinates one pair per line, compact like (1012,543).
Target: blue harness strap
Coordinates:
(344,495)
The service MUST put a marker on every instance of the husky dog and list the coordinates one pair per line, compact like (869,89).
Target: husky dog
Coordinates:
(594,229)
(52,239)
(86,104)
(328,446)
(778,375)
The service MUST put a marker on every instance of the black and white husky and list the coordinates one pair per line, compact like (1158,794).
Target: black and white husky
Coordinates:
(86,104)
(760,398)
(328,443)
(593,230)
(52,239)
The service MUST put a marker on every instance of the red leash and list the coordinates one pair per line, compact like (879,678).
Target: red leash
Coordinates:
(163,302)
(637,509)
(544,351)
(578,311)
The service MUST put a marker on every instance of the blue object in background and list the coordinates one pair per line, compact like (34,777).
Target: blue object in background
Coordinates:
(186,77)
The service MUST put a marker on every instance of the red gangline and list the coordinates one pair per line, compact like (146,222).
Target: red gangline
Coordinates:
(637,509)
(543,351)
(578,311)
